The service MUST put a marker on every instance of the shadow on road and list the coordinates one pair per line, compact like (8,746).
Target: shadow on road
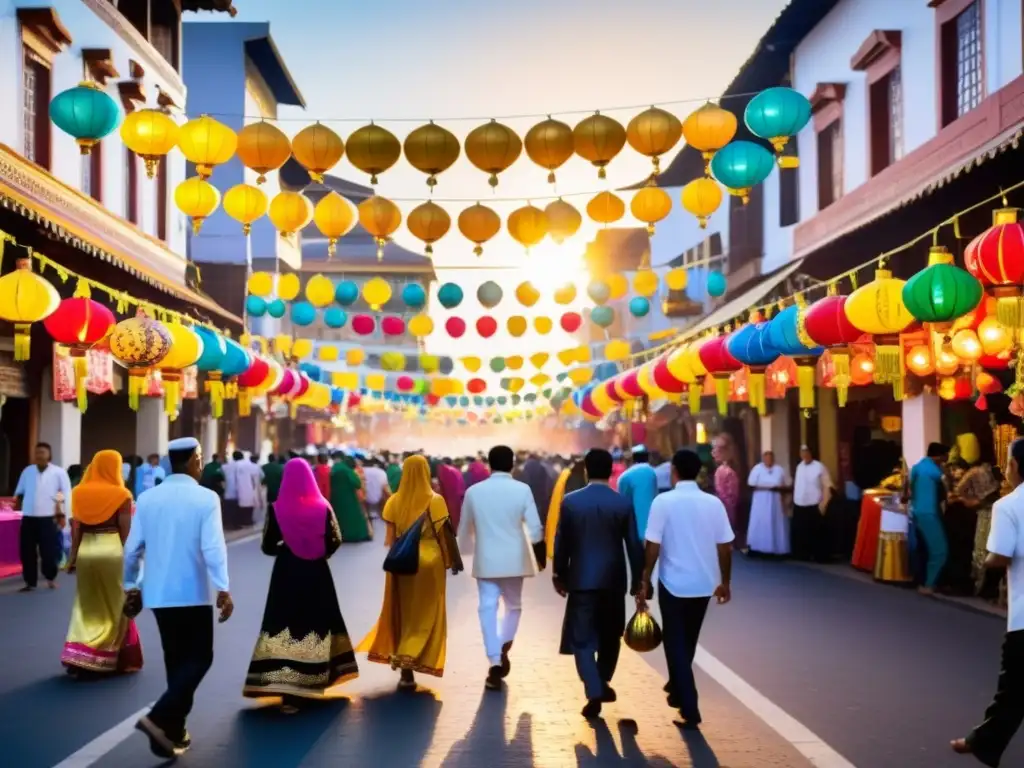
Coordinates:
(486,736)
(606,753)
(266,737)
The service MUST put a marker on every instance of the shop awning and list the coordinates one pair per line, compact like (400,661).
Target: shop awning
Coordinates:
(88,226)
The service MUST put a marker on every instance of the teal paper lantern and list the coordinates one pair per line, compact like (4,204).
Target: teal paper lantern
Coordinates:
(599,291)
(236,359)
(303,313)
(277,308)
(602,316)
(335,317)
(489,294)
(255,306)
(776,114)
(639,306)
(449,295)
(346,293)
(85,112)
(741,165)
(717,284)
(516,399)
(214,349)
(414,296)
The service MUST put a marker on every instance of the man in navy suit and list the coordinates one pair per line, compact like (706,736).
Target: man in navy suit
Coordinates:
(596,530)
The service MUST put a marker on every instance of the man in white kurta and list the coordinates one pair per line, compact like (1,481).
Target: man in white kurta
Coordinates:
(768,531)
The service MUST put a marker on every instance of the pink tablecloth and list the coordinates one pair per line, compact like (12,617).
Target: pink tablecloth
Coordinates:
(10,558)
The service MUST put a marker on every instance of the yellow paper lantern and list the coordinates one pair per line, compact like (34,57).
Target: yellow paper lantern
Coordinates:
(653,133)
(431,149)
(650,205)
(693,361)
(345,379)
(517,326)
(185,350)
(376,292)
(492,148)
(645,283)
(197,199)
(263,147)
(290,212)
(138,344)
(302,348)
(320,291)
(565,294)
(678,364)
(421,326)
(601,400)
(150,134)
(373,150)
(335,217)
(354,356)
(540,379)
(995,338)
(206,143)
(283,345)
(580,376)
(563,220)
(261,284)
(616,350)
(428,222)
(381,218)
(919,361)
(543,325)
(318,396)
(25,298)
(478,224)
(618,285)
(549,144)
(606,208)
(645,380)
(877,308)
(539,359)
(515,384)
(245,204)
(527,294)
(430,363)
(471,364)
(677,279)
(702,197)
(528,225)
(288,286)
(598,139)
(708,129)
(392,361)
(317,149)
(966,346)
(946,363)
(327,353)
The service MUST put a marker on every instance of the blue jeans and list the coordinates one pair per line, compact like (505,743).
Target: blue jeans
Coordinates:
(930,528)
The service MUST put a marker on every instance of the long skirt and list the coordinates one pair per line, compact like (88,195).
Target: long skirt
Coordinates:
(100,637)
(352,520)
(412,631)
(768,530)
(303,648)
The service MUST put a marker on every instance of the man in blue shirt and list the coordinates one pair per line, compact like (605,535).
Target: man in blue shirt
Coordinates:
(639,484)
(926,495)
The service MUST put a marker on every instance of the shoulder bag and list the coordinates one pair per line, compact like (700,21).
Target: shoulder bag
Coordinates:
(403,559)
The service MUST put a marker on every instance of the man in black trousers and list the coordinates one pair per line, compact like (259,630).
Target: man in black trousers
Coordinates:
(596,528)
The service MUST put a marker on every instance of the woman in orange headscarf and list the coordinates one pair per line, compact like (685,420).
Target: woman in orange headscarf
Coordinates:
(101,639)
(412,631)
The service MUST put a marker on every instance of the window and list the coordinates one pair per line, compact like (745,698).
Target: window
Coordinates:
(92,173)
(789,189)
(36,100)
(131,187)
(161,199)
(886,110)
(830,164)
(962,71)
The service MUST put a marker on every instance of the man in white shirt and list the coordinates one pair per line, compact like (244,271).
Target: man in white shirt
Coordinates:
(500,515)
(177,528)
(376,486)
(689,530)
(812,491)
(1003,718)
(248,481)
(152,473)
(43,491)
(231,513)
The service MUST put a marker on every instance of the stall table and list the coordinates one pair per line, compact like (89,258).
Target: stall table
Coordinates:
(10,537)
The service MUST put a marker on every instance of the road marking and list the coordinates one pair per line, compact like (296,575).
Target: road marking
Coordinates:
(807,743)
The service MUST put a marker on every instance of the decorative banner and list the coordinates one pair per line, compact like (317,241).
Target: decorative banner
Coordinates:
(100,380)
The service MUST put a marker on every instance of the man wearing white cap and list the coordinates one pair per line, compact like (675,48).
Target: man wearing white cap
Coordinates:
(178,529)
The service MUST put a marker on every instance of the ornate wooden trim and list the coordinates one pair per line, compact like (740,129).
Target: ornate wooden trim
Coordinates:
(135,70)
(43,32)
(100,63)
(132,94)
(165,100)
(880,44)
(827,104)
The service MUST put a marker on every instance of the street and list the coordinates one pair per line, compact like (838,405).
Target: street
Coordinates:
(803,668)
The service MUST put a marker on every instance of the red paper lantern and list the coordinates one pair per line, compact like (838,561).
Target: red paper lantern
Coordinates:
(302,386)
(364,325)
(289,381)
(256,374)
(432,399)
(79,323)
(612,392)
(663,378)
(720,364)
(588,407)
(826,323)
(405,383)
(996,259)
(392,326)
(998,362)
(354,398)
(455,326)
(486,326)
(629,383)
(571,322)
(476,386)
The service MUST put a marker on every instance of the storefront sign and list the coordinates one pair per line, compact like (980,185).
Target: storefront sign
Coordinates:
(100,380)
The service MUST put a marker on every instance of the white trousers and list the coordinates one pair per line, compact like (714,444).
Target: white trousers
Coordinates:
(498,632)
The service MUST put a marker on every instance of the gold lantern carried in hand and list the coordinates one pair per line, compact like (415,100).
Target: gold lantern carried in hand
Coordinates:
(642,632)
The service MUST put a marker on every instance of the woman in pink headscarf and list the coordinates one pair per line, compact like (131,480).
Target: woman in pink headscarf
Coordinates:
(303,649)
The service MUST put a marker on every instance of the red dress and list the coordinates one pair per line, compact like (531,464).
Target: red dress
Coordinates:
(322,473)
(865,551)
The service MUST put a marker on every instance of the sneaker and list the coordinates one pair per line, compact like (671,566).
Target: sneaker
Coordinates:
(159,743)
(181,747)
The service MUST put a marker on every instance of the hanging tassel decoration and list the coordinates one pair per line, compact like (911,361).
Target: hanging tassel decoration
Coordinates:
(215,388)
(136,386)
(757,391)
(172,393)
(231,389)
(887,358)
(81,366)
(805,375)
(1009,309)
(722,394)
(22,341)
(841,373)
(694,393)
(244,401)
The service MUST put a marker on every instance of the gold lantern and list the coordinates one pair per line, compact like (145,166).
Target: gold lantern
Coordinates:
(25,298)
(650,205)
(373,150)
(431,149)
(245,204)
(492,148)
(708,129)
(428,222)
(549,144)
(317,149)
(478,224)
(185,350)
(653,133)
(702,197)
(380,217)
(197,199)
(606,208)
(642,632)
(150,134)
(598,139)
(139,343)
(263,147)
(290,212)
(527,225)
(206,142)
(376,293)
(563,220)
(335,217)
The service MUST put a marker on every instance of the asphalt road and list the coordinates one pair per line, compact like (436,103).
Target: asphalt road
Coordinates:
(881,676)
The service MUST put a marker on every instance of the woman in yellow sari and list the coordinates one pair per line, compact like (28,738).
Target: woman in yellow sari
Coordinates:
(101,639)
(412,631)
(573,478)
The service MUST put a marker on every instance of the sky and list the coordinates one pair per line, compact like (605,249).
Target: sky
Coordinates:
(411,61)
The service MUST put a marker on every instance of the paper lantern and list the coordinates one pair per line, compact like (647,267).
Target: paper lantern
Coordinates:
(185,350)
(941,292)
(715,357)
(628,384)
(150,134)
(428,222)
(877,308)
(527,294)
(663,378)
(373,150)
(606,208)
(85,112)
(455,327)
(288,286)
(205,142)
(392,326)
(489,294)
(303,313)
(376,293)
(197,199)
(601,399)
(335,317)
(701,198)
(741,165)
(290,212)
(381,218)
(392,361)
(708,129)
(486,326)
(543,325)
(966,345)
(497,364)
(650,205)
(539,359)
(516,326)
(245,204)
(255,306)
(862,369)
(363,325)
(616,350)
(449,295)
(639,306)
(653,133)
(492,148)
(598,139)
(549,144)
(776,114)
(995,337)
(335,217)
(431,149)
(78,323)
(301,348)
(260,284)
(787,334)
(602,317)
(645,283)
(617,284)
(263,147)
(276,308)
(826,324)
(319,290)
(354,356)
(25,298)
(414,296)
(478,224)
(598,291)
(138,344)
(346,293)
(996,258)
(563,220)
(919,361)
(476,386)
(717,284)
(527,225)
(375,381)
(317,149)
(421,326)
(987,384)
(677,279)
(565,294)
(570,322)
